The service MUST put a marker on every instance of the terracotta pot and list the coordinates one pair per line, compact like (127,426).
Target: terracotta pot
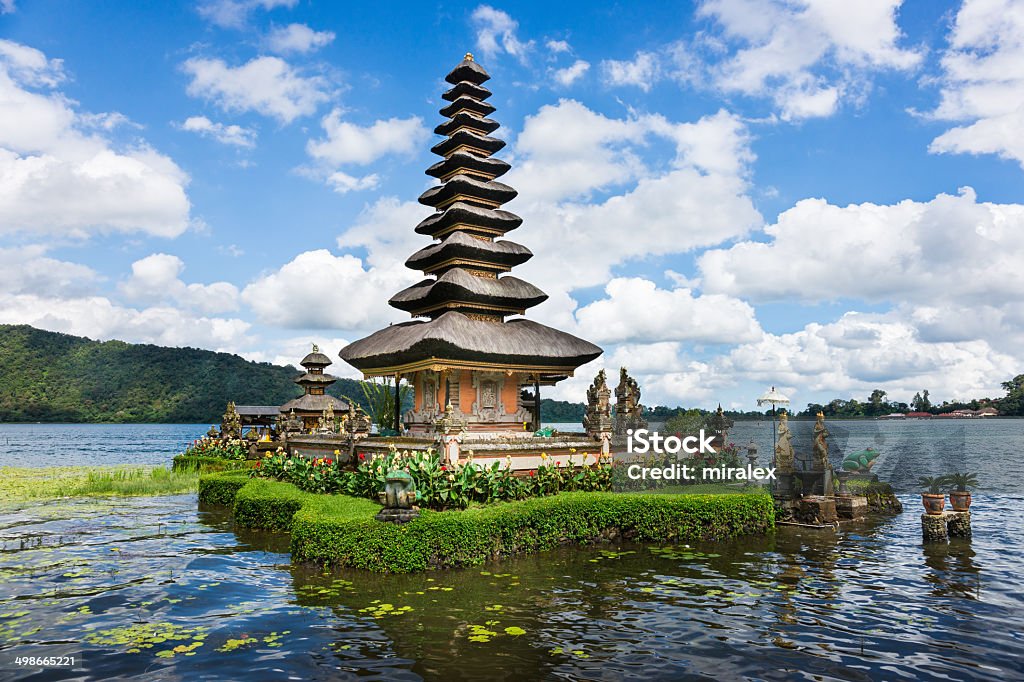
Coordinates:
(960,501)
(933,504)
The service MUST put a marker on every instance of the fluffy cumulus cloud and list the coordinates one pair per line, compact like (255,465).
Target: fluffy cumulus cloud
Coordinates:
(496,34)
(27,269)
(319,290)
(952,248)
(585,190)
(572,73)
(266,85)
(235,13)
(347,143)
(59,172)
(233,135)
(636,310)
(642,71)
(297,38)
(983,81)
(806,56)
(860,352)
(156,278)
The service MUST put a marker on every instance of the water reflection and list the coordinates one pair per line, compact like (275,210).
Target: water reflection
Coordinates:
(148,588)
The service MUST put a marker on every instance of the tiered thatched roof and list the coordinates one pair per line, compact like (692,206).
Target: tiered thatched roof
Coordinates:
(466,296)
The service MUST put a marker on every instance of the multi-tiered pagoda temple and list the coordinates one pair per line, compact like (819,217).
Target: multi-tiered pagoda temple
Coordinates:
(311,404)
(469,350)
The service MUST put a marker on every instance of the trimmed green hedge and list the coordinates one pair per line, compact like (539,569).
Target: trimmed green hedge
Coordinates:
(341,530)
(221,488)
(207,464)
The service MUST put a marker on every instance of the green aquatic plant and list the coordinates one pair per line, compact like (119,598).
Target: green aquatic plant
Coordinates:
(83,481)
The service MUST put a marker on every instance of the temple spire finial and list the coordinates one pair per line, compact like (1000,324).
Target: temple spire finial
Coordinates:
(469,57)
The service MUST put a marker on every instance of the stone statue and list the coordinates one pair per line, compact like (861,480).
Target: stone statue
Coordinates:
(293,424)
(231,423)
(719,424)
(328,420)
(820,453)
(820,449)
(213,432)
(359,423)
(784,446)
(861,462)
(628,410)
(399,498)
(598,418)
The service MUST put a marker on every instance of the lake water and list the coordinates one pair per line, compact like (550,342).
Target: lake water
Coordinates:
(911,448)
(154,588)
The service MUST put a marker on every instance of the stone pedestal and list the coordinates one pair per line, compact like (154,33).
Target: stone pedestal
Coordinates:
(851,506)
(397,515)
(817,509)
(938,527)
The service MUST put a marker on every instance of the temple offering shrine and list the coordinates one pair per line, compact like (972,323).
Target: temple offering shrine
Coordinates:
(470,350)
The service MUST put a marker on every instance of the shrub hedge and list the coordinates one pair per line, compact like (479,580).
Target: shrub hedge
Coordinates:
(341,530)
(221,488)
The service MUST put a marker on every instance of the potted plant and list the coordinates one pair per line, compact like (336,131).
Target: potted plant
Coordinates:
(959,496)
(933,500)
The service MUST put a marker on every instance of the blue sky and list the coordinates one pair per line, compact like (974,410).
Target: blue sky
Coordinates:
(724,195)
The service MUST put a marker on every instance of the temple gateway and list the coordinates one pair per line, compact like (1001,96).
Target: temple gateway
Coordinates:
(468,348)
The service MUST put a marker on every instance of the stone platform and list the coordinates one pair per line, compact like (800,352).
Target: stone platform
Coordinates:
(851,507)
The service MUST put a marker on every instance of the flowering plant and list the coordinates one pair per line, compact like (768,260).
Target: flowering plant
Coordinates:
(232,448)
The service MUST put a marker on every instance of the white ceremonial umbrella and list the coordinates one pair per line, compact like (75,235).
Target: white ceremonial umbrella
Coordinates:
(774,398)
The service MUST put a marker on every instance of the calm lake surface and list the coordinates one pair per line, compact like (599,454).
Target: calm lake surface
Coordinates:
(154,588)
(912,448)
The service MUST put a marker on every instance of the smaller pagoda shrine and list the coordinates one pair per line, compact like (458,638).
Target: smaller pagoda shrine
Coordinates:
(314,402)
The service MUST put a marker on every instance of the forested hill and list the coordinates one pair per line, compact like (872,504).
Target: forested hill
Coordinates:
(51,377)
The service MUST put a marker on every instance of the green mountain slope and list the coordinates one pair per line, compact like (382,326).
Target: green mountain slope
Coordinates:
(51,377)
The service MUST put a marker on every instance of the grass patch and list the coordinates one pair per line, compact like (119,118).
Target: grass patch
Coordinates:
(208,464)
(341,530)
(19,484)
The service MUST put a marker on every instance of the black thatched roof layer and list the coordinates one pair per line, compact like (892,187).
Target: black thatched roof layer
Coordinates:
(459,245)
(466,88)
(310,378)
(489,192)
(315,359)
(468,216)
(468,70)
(457,285)
(455,337)
(460,160)
(467,120)
(465,103)
(315,403)
(471,141)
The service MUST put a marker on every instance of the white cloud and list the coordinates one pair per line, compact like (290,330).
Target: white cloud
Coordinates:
(351,143)
(234,135)
(59,175)
(266,85)
(7,6)
(566,153)
(642,71)
(952,248)
(155,279)
(558,46)
(235,13)
(570,74)
(98,317)
(27,270)
(297,38)
(636,310)
(806,56)
(343,183)
(318,290)
(496,33)
(983,81)
(860,352)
